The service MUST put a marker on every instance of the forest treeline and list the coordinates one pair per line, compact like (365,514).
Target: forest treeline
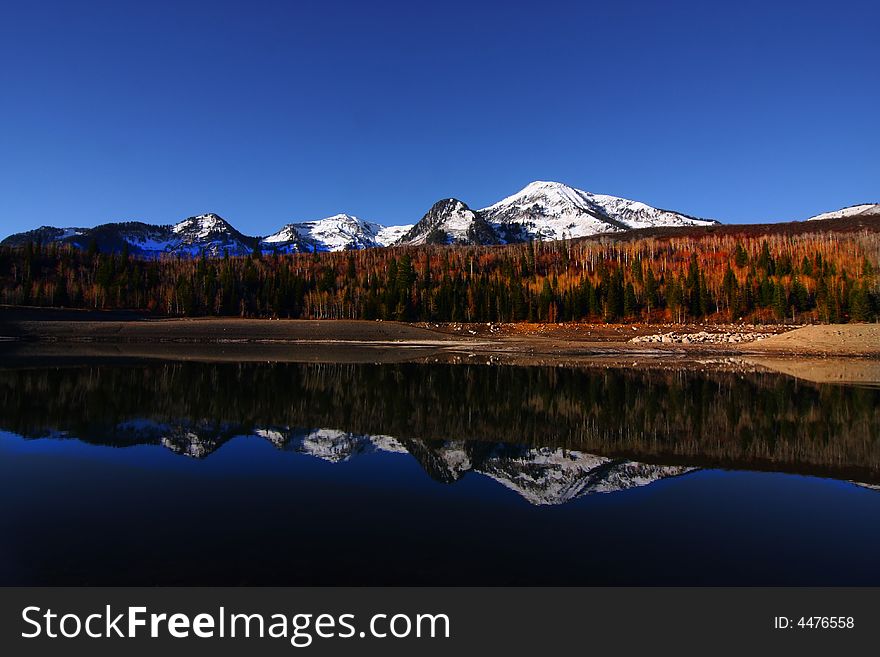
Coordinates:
(821,276)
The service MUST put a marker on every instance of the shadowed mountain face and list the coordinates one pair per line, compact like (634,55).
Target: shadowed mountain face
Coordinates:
(550,433)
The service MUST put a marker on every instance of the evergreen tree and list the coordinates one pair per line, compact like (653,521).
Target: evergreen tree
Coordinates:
(630,305)
(740,256)
(650,289)
(780,302)
(765,260)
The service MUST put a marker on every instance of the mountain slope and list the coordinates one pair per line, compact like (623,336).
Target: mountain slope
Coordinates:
(852,211)
(450,222)
(553,211)
(388,235)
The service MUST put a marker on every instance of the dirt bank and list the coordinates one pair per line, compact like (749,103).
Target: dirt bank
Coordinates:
(831,339)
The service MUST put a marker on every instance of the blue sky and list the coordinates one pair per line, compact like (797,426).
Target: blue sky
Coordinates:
(270,112)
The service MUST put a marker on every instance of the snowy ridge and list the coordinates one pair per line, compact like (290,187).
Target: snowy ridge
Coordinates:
(851,211)
(340,232)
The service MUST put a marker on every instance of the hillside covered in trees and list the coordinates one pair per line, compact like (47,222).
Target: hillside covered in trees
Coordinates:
(812,274)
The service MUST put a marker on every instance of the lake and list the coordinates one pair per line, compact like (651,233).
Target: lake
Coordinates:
(159,473)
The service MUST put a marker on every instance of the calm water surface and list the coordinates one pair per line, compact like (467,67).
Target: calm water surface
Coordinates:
(191,473)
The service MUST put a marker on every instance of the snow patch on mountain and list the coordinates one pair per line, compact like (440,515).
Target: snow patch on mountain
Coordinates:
(286,235)
(388,235)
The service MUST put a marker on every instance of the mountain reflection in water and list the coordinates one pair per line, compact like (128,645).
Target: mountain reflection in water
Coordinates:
(540,475)
(185,473)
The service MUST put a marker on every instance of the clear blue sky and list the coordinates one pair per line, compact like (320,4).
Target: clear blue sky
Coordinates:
(270,112)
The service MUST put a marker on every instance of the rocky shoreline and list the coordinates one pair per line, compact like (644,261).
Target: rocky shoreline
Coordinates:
(702,337)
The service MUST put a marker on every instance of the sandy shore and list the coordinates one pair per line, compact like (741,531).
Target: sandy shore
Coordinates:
(827,339)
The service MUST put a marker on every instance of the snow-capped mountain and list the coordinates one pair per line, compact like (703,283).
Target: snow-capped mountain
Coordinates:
(553,211)
(209,234)
(541,210)
(851,211)
(450,222)
(340,232)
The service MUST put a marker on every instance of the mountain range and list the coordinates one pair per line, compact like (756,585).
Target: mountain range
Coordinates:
(540,211)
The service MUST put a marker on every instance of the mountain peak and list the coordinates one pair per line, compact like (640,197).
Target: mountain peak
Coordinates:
(539,185)
(202,224)
(450,221)
(548,187)
(449,205)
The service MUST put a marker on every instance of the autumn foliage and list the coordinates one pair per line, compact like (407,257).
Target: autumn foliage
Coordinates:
(817,275)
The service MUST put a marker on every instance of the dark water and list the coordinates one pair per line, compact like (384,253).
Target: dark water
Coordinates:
(188,473)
